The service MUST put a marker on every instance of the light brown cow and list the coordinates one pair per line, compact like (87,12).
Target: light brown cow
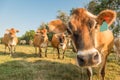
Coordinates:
(41,41)
(117,47)
(10,40)
(91,41)
(59,41)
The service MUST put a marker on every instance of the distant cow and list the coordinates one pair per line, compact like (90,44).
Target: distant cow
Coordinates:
(91,36)
(59,41)
(117,46)
(22,42)
(41,41)
(30,42)
(10,40)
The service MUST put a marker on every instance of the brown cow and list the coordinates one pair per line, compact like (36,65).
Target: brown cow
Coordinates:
(117,46)
(41,41)
(59,41)
(10,40)
(91,40)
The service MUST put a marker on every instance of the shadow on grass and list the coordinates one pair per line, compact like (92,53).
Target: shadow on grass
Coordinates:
(40,70)
(20,54)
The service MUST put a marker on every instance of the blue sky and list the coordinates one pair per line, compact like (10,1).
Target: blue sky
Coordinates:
(27,15)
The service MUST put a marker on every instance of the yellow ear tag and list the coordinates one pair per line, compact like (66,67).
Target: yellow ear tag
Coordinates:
(103,27)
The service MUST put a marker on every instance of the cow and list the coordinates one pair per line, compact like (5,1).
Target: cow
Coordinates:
(40,41)
(31,42)
(59,41)
(91,37)
(22,42)
(10,40)
(117,46)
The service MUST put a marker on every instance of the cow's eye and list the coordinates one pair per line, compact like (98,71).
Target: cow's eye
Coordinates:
(90,23)
(75,34)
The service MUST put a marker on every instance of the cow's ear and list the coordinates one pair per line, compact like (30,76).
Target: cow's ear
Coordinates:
(57,26)
(107,16)
(45,30)
(7,31)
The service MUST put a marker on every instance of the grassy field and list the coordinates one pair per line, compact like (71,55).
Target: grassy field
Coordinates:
(25,65)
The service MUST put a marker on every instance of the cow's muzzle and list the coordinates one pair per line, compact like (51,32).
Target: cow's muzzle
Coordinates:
(88,58)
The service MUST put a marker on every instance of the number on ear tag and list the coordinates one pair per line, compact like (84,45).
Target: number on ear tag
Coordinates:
(103,27)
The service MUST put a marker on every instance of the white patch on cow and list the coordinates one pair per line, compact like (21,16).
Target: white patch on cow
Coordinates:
(12,42)
(43,44)
(64,46)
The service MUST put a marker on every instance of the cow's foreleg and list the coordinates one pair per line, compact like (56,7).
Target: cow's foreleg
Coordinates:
(58,53)
(40,52)
(5,49)
(35,50)
(90,73)
(63,53)
(9,47)
(14,49)
(102,68)
(46,50)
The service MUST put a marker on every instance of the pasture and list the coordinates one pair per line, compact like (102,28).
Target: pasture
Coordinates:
(25,65)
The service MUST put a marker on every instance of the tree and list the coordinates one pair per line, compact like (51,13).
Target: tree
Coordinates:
(43,25)
(29,35)
(63,16)
(95,6)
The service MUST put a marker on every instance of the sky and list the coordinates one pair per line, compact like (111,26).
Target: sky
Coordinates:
(25,15)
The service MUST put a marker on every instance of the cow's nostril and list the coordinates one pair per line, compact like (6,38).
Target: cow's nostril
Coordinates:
(96,56)
(81,60)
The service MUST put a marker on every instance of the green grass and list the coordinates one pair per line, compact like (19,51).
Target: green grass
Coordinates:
(25,65)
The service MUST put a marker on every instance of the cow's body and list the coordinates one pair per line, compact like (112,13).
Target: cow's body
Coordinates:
(117,46)
(91,41)
(41,41)
(59,41)
(10,40)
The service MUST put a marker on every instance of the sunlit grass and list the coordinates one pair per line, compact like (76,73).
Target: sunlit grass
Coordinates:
(25,65)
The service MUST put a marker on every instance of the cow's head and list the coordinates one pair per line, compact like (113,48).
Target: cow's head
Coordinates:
(62,40)
(12,32)
(42,34)
(83,26)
